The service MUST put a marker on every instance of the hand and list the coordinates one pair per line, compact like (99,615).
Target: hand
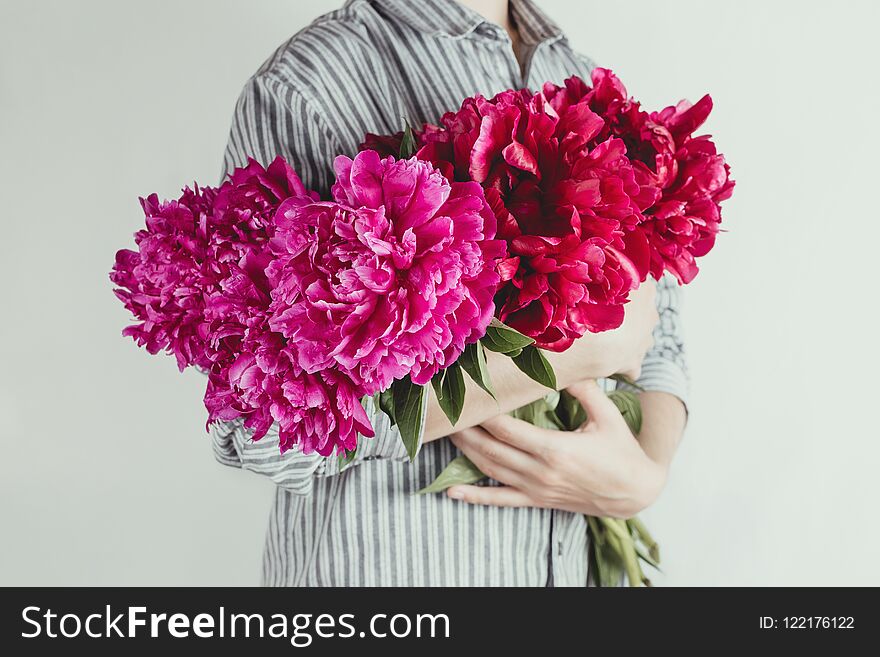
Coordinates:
(621,351)
(599,470)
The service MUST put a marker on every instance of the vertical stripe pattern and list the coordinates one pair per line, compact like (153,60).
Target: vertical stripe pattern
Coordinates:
(362,69)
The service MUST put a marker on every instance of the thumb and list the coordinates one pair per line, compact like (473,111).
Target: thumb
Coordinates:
(599,408)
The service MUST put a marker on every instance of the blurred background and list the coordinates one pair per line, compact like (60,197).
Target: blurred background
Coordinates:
(106,473)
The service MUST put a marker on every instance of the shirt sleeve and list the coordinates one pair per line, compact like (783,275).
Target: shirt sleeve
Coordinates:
(272,118)
(665,366)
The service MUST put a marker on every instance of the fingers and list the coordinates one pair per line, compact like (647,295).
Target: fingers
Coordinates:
(495,459)
(484,443)
(490,495)
(599,408)
(519,434)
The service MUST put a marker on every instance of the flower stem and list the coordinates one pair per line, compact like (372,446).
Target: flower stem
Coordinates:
(645,537)
(598,535)
(624,542)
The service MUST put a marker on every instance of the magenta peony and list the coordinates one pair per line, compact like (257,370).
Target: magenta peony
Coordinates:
(246,203)
(566,202)
(392,279)
(193,250)
(199,288)
(260,380)
(298,308)
(255,374)
(162,283)
(318,412)
(237,299)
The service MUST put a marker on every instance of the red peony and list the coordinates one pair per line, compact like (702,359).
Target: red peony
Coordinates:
(690,177)
(683,224)
(566,205)
(384,145)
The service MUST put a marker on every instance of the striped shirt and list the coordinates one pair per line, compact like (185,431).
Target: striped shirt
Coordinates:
(362,69)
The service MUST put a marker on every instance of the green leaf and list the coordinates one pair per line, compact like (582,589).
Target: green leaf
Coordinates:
(449,387)
(459,471)
(630,408)
(346,459)
(473,361)
(408,143)
(409,402)
(533,363)
(385,402)
(646,556)
(504,340)
(570,412)
(539,413)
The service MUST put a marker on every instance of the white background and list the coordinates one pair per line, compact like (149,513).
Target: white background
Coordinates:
(106,474)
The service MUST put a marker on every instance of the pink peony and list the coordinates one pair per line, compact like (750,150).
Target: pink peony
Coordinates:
(566,203)
(191,253)
(255,374)
(243,223)
(162,283)
(246,203)
(392,279)
(318,412)
(198,286)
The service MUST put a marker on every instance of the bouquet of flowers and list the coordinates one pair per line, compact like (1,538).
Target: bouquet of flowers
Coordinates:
(518,224)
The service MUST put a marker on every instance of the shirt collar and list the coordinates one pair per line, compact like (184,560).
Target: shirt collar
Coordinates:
(533,24)
(452,19)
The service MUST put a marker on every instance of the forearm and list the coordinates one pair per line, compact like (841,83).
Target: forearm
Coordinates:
(512,390)
(592,356)
(663,421)
(588,358)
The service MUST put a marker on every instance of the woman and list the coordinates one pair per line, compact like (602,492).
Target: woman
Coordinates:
(361,69)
